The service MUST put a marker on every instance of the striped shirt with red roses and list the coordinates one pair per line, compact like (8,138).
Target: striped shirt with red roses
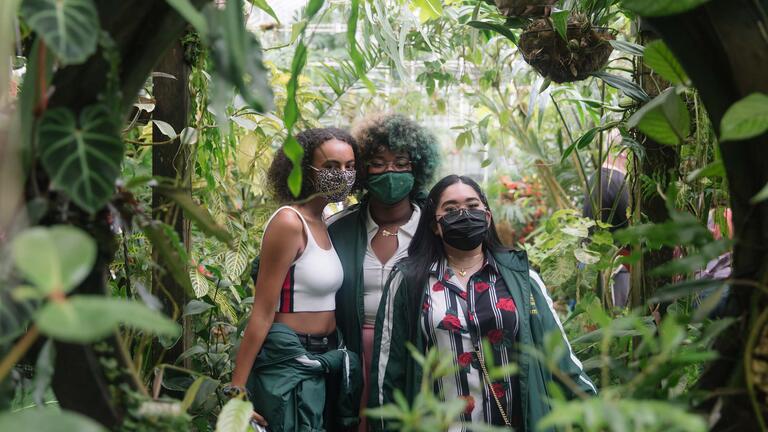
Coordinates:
(454,319)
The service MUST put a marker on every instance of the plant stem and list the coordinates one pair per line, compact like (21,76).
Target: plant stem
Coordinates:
(123,351)
(18,351)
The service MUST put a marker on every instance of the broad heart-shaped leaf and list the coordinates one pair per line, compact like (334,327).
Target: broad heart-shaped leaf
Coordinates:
(745,119)
(70,28)
(194,211)
(82,158)
(660,59)
(48,420)
(89,318)
(235,416)
(654,8)
(54,259)
(665,119)
(174,259)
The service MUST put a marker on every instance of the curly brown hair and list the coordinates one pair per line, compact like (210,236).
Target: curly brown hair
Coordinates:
(398,133)
(310,140)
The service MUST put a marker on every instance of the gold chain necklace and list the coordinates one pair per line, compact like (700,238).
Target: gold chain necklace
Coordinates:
(463,270)
(387,233)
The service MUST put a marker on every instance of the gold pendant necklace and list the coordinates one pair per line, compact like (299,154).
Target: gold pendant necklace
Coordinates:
(386,233)
(463,270)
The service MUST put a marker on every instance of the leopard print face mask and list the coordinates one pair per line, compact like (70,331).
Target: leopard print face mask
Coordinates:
(333,183)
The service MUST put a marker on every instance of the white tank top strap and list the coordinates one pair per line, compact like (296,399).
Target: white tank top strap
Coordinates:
(310,238)
(311,282)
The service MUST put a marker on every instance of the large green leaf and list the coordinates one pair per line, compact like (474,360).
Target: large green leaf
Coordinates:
(745,119)
(235,416)
(628,87)
(660,59)
(428,9)
(195,212)
(262,4)
(190,13)
(166,244)
(354,52)
(82,157)
(70,28)
(627,47)
(665,118)
(48,420)
(496,27)
(291,147)
(54,259)
(560,21)
(89,318)
(237,55)
(654,8)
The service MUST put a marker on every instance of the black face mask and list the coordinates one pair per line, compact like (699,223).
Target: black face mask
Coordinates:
(464,229)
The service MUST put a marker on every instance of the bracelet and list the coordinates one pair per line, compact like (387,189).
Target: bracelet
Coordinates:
(233,391)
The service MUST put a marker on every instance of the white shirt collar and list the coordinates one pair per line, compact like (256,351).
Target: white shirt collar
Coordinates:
(409,228)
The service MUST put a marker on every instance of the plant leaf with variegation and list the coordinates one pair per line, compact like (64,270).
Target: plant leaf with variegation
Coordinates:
(235,416)
(82,157)
(70,28)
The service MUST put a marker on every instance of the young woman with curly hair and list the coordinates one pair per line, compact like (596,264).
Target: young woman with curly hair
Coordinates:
(291,342)
(398,159)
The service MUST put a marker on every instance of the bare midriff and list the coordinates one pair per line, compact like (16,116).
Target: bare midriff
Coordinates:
(314,323)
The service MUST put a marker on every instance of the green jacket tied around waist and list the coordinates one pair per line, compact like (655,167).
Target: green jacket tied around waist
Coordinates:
(287,383)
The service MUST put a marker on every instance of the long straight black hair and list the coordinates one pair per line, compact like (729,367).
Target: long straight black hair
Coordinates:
(427,247)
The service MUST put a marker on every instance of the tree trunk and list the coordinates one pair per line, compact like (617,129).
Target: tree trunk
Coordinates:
(660,164)
(724,49)
(171,161)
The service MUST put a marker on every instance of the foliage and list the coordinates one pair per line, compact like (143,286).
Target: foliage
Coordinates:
(569,256)
(251,89)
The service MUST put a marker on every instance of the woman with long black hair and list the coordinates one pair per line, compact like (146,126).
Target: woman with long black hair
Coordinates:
(458,287)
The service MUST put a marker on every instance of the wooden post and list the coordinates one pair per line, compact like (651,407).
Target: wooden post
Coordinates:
(172,161)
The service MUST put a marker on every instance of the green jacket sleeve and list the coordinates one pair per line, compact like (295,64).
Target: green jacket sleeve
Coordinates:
(569,363)
(388,364)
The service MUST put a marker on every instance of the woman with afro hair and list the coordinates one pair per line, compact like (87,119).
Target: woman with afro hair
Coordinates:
(398,159)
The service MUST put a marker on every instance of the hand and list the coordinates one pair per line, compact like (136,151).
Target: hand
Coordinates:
(256,417)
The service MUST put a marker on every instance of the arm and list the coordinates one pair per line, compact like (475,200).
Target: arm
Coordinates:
(569,364)
(389,351)
(283,240)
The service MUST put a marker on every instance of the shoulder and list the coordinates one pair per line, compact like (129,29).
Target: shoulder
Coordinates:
(285,221)
(344,217)
(512,259)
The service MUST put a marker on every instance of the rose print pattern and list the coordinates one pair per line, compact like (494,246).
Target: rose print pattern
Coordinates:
(455,317)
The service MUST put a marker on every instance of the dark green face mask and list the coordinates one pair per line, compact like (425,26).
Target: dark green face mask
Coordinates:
(390,187)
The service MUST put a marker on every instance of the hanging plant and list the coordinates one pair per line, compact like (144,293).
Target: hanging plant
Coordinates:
(525,8)
(566,50)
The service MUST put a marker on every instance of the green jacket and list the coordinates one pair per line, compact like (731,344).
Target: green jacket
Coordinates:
(349,238)
(287,384)
(397,323)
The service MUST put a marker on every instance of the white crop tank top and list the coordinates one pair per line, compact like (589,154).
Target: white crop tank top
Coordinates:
(313,279)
